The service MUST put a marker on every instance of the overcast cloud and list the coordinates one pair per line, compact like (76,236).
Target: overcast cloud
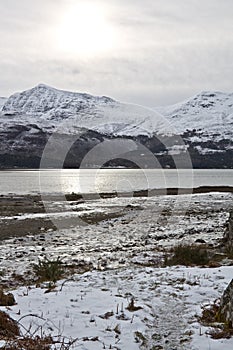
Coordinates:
(167,50)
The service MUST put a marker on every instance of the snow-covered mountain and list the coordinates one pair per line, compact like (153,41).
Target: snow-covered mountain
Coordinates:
(209,112)
(51,108)
(204,122)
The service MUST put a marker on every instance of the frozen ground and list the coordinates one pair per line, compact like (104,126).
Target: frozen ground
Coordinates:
(139,230)
(124,252)
(91,308)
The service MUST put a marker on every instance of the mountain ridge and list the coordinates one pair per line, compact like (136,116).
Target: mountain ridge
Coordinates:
(201,125)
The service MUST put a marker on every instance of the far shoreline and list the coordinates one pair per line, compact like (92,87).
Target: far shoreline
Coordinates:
(74,196)
(115,168)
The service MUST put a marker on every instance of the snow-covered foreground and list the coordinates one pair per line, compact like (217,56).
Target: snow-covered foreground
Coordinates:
(91,308)
(123,251)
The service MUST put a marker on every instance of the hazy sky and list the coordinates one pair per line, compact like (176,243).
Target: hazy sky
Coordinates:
(150,52)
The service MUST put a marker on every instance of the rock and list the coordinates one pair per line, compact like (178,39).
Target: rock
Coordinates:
(200,240)
(228,236)
(225,313)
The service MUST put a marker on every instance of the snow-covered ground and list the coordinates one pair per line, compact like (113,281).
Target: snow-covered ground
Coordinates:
(124,252)
(139,229)
(92,308)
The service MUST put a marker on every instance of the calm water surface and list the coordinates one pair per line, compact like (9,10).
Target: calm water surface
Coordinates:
(107,180)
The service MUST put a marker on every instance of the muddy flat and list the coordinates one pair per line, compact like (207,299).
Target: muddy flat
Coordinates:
(22,215)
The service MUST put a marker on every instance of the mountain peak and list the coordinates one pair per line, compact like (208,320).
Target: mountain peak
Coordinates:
(46,101)
(207,110)
(43,86)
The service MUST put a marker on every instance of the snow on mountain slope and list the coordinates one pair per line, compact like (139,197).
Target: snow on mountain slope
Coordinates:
(204,122)
(43,98)
(2,101)
(210,113)
(70,111)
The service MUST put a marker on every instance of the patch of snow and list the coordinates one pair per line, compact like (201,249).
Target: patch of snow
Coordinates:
(2,102)
(204,151)
(177,149)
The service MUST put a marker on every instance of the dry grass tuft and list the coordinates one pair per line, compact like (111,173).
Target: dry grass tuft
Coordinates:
(28,343)
(132,307)
(6,299)
(188,255)
(210,317)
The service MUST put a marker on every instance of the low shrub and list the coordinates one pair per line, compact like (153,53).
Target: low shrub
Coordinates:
(225,333)
(14,339)
(187,254)
(211,317)
(48,270)
(8,327)
(210,314)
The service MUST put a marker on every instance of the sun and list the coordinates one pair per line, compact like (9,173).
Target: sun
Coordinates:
(85,30)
